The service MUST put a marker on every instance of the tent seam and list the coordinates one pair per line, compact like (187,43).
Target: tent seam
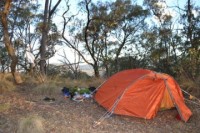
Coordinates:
(168,88)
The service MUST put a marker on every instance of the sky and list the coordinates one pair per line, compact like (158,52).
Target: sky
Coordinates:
(73,8)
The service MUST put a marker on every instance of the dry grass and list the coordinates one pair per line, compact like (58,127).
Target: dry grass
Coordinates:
(31,124)
(65,115)
(29,79)
(54,86)
(51,86)
(6,83)
(6,76)
(48,88)
(95,82)
(190,85)
(4,107)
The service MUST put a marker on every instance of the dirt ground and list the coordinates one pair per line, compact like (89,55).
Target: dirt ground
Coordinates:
(67,116)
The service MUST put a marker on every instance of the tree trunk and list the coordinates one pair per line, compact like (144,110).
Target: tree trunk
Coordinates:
(44,40)
(96,70)
(45,30)
(8,43)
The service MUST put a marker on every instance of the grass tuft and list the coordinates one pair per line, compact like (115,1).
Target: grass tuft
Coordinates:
(4,107)
(6,85)
(31,124)
(49,88)
(54,86)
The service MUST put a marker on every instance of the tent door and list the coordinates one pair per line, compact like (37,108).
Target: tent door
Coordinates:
(166,101)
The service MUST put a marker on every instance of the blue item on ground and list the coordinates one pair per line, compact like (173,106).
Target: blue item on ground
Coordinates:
(66,91)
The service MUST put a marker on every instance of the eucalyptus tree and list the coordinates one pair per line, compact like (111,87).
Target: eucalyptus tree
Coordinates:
(23,18)
(173,42)
(85,32)
(128,21)
(121,22)
(105,22)
(160,39)
(190,19)
(5,10)
(49,11)
(191,22)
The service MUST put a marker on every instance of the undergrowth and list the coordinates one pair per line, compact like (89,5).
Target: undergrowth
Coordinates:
(6,84)
(54,86)
(190,85)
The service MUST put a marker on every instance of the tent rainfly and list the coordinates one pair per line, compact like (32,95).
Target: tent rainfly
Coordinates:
(141,93)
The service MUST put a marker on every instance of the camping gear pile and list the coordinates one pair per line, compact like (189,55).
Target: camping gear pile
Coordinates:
(78,94)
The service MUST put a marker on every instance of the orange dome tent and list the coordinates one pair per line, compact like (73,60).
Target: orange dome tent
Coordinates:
(141,93)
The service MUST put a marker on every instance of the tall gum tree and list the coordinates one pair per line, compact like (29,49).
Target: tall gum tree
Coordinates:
(48,13)
(103,21)
(8,44)
(88,41)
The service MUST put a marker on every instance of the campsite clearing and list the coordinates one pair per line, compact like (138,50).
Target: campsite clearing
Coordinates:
(65,115)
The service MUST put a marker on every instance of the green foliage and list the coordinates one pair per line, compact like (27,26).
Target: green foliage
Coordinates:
(190,64)
(84,90)
(129,62)
(79,90)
